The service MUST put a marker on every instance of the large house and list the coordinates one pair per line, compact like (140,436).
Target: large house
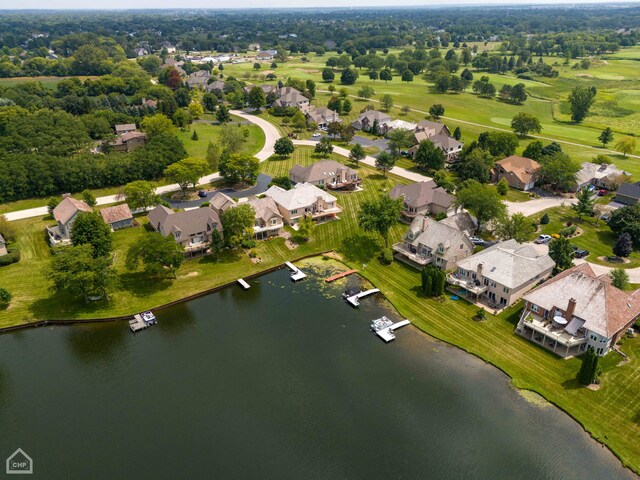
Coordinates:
(429,242)
(123,128)
(266,55)
(198,79)
(129,141)
(326,173)
(303,200)
(289,97)
(440,136)
(605,176)
(322,116)
(191,228)
(3,246)
(502,273)
(386,127)
(422,198)
(65,214)
(366,120)
(117,217)
(215,86)
(268,220)
(519,172)
(576,310)
(628,194)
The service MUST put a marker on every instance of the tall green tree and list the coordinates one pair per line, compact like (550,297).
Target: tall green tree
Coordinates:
(89,198)
(623,246)
(76,270)
(238,223)
(357,153)
(516,226)
(481,200)
(561,252)
(606,136)
(306,227)
(436,111)
(89,228)
(525,123)
(385,162)
(222,114)
(380,215)
(283,147)
(580,101)
(559,171)
(585,203)
(619,278)
(323,147)
(428,156)
(186,172)
(140,195)
(589,368)
(387,102)
(240,168)
(626,145)
(256,98)
(157,254)
(399,139)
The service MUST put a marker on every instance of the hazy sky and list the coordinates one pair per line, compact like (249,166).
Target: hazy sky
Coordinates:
(157,4)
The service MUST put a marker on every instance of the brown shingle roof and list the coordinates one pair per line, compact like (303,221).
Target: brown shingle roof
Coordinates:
(67,208)
(116,214)
(522,167)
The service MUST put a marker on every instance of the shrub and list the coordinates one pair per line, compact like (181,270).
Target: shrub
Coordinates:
(440,216)
(567,232)
(544,220)
(253,254)
(12,257)
(387,256)
(5,297)
(205,204)
(502,187)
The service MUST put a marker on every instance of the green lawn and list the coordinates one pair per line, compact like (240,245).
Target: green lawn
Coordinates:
(609,414)
(49,82)
(208,132)
(597,238)
(514,195)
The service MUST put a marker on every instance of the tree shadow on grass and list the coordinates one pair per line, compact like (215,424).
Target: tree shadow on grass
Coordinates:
(63,306)
(572,384)
(140,284)
(359,248)
(227,256)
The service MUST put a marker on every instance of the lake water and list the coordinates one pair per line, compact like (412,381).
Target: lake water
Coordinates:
(283,381)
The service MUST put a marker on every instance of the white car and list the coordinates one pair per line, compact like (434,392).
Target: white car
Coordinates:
(542,239)
(316,135)
(477,241)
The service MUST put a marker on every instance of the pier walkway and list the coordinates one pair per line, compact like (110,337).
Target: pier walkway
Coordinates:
(354,300)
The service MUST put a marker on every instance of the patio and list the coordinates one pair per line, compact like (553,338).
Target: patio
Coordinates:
(556,339)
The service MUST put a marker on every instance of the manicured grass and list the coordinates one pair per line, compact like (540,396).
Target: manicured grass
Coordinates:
(596,237)
(208,132)
(611,414)
(514,195)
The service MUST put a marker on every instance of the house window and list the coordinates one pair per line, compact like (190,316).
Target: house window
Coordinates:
(293,212)
(274,221)
(593,337)
(505,289)
(599,351)
(535,308)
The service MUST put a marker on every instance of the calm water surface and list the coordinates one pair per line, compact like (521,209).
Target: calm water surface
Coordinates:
(281,381)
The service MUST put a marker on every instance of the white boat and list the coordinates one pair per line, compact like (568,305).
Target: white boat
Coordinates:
(149,318)
(380,324)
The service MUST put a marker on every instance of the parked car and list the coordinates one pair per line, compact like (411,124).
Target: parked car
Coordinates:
(476,241)
(602,192)
(316,135)
(202,193)
(404,153)
(542,239)
(580,253)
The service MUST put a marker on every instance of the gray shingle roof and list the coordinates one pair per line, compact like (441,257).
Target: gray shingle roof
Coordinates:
(631,190)
(509,263)
(188,223)
(319,171)
(430,233)
(420,194)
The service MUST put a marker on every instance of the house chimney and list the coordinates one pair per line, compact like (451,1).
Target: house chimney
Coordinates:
(568,314)
(479,270)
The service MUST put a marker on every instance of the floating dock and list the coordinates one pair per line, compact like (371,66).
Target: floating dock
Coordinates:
(244,284)
(296,273)
(141,321)
(354,300)
(339,275)
(387,334)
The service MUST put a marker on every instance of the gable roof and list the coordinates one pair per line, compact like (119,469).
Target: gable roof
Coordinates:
(300,196)
(319,114)
(594,171)
(68,207)
(125,127)
(445,142)
(221,202)
(290,95)
(510,263)
(605,309)
(372,115)
(522,167)
(432,128)
(187,223)
(125,137)
(420,194)
(115,214)
(319,171)
(265,208)
(462,221)
(432,234)
(631,190)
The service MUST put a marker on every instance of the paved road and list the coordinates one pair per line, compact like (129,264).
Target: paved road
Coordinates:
(532,207)
(381,143)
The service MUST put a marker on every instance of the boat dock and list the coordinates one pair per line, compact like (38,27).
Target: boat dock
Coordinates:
(296,273)
(339,275)
(244,284)
(142,321)
(387,334)
(354,300)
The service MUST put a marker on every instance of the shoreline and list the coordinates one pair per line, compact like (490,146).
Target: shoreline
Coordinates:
(331,254)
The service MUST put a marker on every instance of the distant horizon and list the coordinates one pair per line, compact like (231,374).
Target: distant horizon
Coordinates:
(157,5)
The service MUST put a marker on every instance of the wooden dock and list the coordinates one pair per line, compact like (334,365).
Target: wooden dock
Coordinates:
(296,273)
(244,284)
(337,276)
(387,334)
(354,300)
(139,323)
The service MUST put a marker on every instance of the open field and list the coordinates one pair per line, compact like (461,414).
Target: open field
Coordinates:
(208,132)
(49,82)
